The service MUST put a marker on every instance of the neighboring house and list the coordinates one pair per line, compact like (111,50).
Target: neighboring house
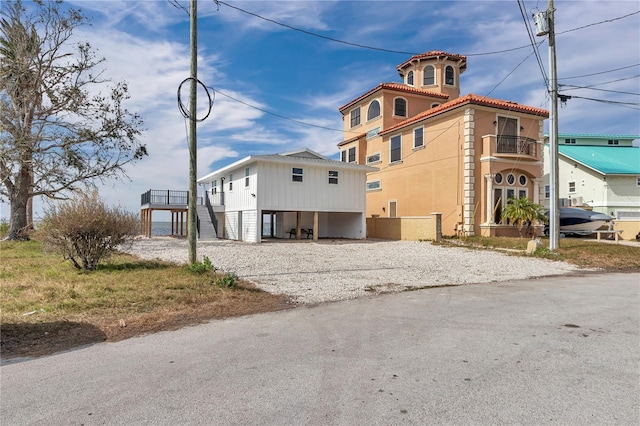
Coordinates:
(297,194)
(601,172)
(439,152)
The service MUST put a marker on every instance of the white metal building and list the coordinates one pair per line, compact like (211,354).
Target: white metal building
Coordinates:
(299,194)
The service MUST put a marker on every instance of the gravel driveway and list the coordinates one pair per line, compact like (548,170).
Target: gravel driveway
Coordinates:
(312,272)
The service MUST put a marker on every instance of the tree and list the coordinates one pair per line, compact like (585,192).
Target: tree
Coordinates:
(85,230)
(57,130)
(521,211)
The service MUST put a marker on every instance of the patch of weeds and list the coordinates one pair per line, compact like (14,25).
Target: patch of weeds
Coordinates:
(229,280)
(202,267)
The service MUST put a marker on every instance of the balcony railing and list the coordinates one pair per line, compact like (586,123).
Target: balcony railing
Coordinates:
(166,197)
(518,145)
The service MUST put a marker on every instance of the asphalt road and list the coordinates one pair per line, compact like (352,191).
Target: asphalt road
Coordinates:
(562,350)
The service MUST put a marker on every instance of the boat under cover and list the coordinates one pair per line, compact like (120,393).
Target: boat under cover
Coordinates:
(574,220)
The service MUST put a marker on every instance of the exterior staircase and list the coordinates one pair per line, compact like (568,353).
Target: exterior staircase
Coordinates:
(207,230)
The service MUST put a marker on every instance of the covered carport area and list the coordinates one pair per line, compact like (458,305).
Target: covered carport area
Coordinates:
(312,225)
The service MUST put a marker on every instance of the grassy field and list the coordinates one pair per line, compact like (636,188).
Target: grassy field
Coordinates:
(48,306)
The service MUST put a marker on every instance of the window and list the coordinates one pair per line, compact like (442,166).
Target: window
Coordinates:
(296,174)
(343,156)
(637,180)
(246,177)
(373,186)
(410,78)
(570,141)
(572,186)
(214,187)
(393,209)
(547,191)
(373,158)
(418,139)
(449,77)
(511,179)
(355,117)
(400,107)
(522,193)
(333,177)
(522,180)
(230,181)
(396,148)
(435,104)
(373,111)
(428,76)
(352,154)
(498,178)
(373,133)
(613,141)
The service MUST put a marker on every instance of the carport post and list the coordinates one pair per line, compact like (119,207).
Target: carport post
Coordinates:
(315,226)
(298,218)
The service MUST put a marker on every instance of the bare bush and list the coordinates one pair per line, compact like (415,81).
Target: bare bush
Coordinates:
(85,230)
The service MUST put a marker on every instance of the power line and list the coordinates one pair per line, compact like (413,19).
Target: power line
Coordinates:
(572,87)
(601,72)
(600,22)
(533,43)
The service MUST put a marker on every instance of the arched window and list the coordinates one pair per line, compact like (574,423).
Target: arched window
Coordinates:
(374,110)
(428,75)
(435,104)
(410,78)
(449,76)
(400,107)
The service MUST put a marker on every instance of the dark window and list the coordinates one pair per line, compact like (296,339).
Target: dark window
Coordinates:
(352,154)
(373,158)
(428,75)
(522,179)
(246,177)
(613,142)
(296,174)
(410,78)
(498,178)
(449,77)
(333,176)
(355,117)
(230,181)
(418,139)
(400,107)
(571,140)
(374,110)
(343,156)
(511,179)
(396,148)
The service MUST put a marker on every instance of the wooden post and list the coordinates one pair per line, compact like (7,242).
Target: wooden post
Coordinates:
(298,220)
(315,226)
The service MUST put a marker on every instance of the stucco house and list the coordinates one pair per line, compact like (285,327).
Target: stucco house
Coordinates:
(299,194)
(437,151)
(601,172)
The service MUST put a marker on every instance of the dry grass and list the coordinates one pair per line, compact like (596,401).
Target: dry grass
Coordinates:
(583,252)
(47,305)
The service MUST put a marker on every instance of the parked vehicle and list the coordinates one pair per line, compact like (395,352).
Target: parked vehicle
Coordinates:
(577,221)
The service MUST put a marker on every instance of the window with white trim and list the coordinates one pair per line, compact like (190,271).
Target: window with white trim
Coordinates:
(246,177)
(395,147)
(296,174)
(343,156)
(352,154)
(637,180)
(613,142)
(410,78)
(428,75)
(374,110)
(333,177)
(230,181)
(355,117)
(572,187)
(373,185)
(214,187)
(547,191)
(374,158)
(400,107)
(570,141)
(449,76)
(418,137)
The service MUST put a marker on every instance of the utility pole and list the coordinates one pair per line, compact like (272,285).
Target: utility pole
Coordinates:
(545,25)
(193,145)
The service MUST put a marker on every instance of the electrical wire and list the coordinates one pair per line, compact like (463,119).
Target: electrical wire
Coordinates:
(572,87)
(598,23)
(177,5)
(533,43)
(184,110)
(601,72)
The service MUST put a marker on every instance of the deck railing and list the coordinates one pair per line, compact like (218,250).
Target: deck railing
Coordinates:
(166,197)
(516,145)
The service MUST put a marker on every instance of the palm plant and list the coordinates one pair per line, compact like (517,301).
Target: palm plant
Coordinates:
(521,211)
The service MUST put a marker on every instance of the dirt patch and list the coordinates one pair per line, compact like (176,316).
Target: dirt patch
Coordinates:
(46,338)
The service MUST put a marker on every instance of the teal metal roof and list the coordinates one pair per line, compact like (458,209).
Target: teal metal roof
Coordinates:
(594,136)
(608,160)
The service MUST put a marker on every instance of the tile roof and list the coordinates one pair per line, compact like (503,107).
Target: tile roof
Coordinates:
(397,87)
(607,160)
(353,139)
(435,54)
(470,99)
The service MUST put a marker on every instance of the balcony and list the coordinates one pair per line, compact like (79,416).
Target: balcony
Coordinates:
(166,198)
(509,146)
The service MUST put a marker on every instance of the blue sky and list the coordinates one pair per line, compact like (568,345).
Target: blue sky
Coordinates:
(302,77)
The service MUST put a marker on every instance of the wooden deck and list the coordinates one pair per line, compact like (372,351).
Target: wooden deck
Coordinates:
(176,202)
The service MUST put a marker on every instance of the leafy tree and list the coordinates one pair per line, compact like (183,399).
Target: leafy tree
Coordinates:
(57,130)
(521,211)
(85,230)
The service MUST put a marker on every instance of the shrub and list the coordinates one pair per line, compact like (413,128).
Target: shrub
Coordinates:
(85,230)
(202,267)
(227,281)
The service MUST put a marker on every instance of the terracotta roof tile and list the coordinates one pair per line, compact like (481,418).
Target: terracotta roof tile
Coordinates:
(353,139)
(435,54)
(394,86)
(469,99)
